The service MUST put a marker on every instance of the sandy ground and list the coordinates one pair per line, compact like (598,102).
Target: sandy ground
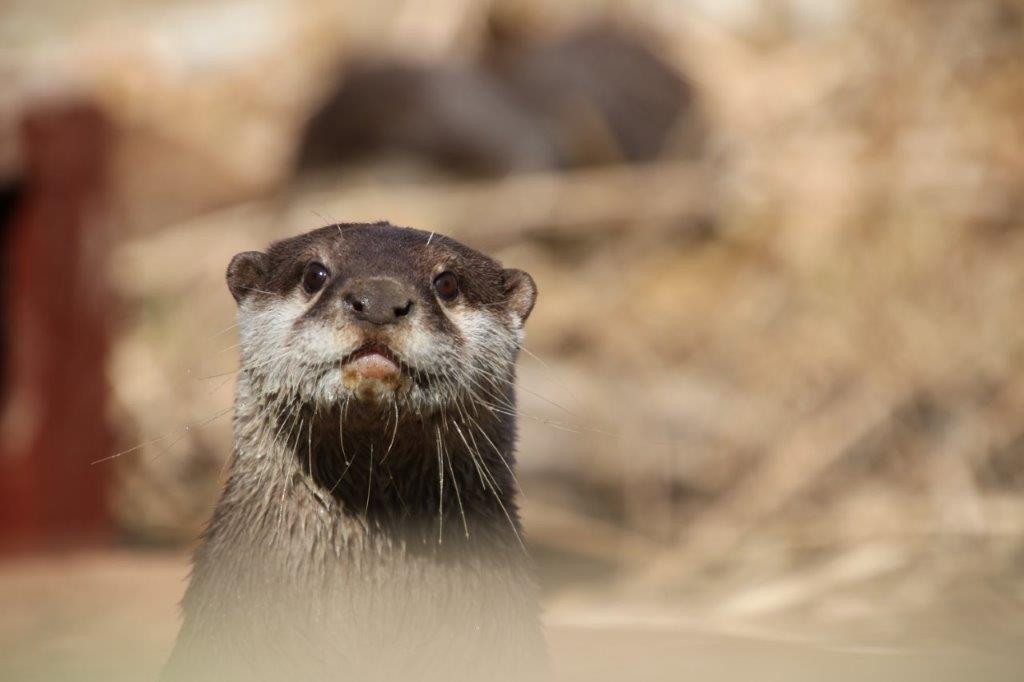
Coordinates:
(113,616)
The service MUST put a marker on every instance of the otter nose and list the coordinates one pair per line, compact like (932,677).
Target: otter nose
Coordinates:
(377,301)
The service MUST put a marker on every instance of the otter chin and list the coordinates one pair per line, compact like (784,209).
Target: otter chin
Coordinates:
(368,528)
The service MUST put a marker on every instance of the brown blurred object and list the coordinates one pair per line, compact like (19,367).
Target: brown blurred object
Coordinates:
(524,107)
(55,311)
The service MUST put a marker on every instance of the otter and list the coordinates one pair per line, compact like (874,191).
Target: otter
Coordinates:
(368,527)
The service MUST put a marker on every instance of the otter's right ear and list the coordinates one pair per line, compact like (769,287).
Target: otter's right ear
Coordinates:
(247,272)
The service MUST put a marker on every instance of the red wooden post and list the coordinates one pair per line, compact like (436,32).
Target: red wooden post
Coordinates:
(56,306)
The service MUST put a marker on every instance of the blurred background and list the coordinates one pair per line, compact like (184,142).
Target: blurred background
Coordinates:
(772,397)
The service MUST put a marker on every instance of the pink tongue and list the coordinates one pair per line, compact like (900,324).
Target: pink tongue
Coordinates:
(373,366)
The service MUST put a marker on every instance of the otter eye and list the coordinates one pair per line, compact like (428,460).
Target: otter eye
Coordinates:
(314,277)
(446,285)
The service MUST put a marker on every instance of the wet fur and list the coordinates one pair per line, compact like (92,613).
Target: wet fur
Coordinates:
(368,536)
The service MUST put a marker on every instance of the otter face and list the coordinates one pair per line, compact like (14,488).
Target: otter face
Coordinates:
(377,314)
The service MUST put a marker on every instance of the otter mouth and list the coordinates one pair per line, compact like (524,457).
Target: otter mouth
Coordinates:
(374,371)
(374,361)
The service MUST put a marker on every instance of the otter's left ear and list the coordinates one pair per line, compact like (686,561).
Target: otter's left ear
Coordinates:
(521,292)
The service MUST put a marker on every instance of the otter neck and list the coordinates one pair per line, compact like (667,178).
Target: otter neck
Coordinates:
(372,476)
(318,564)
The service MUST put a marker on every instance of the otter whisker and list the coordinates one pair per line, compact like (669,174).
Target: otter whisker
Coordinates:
(497,451)
(475,458)
(394,432)
(184,430)
(455,487)
(440,489)
(261,291)
(497,498)
(309,446)
(488,477)
(552,372)
(369,484)
(398,493)
(341,441)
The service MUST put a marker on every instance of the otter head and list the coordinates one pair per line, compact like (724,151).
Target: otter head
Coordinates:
(378,315)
